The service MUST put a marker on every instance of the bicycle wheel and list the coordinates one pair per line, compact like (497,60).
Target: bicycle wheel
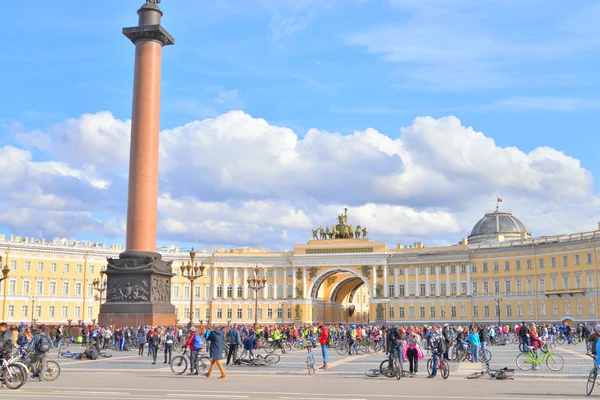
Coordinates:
(385,370)
(575,340)
(591,382)
(372,373)
(429,366)
(475,375)
(14,376)
(361,348)
(444,369)
(270,348)
(524,361)
(288,347)
(555,362)
(202,364)
(342,348)
(272,359)
(179,365)
(485,355)
(397,369)
(310,365)
(560,340)
(52,371)
(106,354)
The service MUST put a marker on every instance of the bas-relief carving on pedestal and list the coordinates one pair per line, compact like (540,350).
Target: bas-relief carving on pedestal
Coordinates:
(161,289)
(127,289)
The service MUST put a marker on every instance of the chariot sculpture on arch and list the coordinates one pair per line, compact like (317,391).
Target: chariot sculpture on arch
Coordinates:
(342,230)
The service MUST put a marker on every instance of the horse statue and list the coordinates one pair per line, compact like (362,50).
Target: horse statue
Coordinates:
(321,233)
(358,231)
(346,232)
(365,232)
(315,233)
(327,233)
(350,232)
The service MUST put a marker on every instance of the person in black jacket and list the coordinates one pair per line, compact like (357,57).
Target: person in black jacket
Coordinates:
(484,336)
(217,341)
(447,334)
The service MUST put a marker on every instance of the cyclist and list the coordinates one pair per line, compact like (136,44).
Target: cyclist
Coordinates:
(40,345)
(195,343)
(593,339)
(436,343)
(351,335)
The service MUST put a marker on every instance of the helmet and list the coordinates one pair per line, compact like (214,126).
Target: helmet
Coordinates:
(193,329)
(353,326)
(597,328)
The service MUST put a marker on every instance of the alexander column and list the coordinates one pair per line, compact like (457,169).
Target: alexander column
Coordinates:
(139,281)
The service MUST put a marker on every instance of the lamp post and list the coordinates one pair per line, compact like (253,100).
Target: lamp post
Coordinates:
(385,302)
(192,271)
(282,304)
(228,322)
(498,300)
(33,300)
(5,272)
(100,285)
(85,271)
(255,283)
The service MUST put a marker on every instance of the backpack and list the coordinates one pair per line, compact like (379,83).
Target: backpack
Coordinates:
(22,340)
(155,339)
(197,345)
(395,334)
(170,338)
(43,345)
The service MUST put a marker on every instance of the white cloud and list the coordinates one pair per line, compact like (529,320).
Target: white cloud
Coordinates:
(236,180)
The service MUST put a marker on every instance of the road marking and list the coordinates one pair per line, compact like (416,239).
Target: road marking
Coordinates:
(208,395)
(346,360)
(78,392)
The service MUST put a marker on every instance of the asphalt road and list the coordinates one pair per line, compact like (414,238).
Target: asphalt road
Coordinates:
(127,375)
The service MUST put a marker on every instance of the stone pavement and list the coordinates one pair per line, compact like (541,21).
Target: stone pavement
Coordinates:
(128,375)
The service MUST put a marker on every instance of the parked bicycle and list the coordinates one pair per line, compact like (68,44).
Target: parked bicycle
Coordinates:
(310,357)
(394,369)
(443,366)
(13,374)
(526,360)
(591,381)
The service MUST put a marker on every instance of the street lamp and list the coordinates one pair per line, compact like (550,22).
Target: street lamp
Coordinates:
(5,272)
(192,271)
(100,285)
(498,300)
(228,322)
(33,300)
(255,283)
(385,302)
(281,305)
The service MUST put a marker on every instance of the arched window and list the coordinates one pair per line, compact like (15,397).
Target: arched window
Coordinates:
(208,291)
(290,291)
(270,291)
(229,291)
(240,291)
(279,291)
(219,290)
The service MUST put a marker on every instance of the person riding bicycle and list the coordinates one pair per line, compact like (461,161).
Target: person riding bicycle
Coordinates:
(6,341)
(40,345)
(195,343)
(593,339)
(437,344)
(394,343)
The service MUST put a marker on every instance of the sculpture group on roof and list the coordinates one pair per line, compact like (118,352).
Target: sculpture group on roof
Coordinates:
(340,231)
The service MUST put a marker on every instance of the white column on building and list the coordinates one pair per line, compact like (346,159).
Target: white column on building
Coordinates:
(266,284)
(275,283)
(304,288)
(294,284)
(437,280)
(385,281)
(396,283)
(285,293)
(406,290)
(427,294)
(233,283)
(224,282)
(458,289)
(447,280)
(374,272)
(469,280)
(245,283)
(213,281)
(417,284)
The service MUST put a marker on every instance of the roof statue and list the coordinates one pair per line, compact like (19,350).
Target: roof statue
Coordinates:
(340,231)
(153,2)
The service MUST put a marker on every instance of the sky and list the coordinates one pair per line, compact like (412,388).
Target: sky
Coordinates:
(277,114)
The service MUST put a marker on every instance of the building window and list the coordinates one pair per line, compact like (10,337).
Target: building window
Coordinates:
(208,291)
(473,267)
(279,313)
(484,267)
(11,310)
(401,271)
(66,268)
(452,269)
(52,287)
(529,285)
(588,257)
(197,291)
(411,312)
(391,290)
(249,313)
(553,283)
(463,287)
(486,311)
(219,290)
(402,289)
(565,261)
(390,271)
(229,273)
(496,286)
(432,312)
(186,291)
(442,269)
(90,289)
(402,312)
(26,286)
(219,311)
(474,287)
(422,288)
(270,291)
(240,291)
(290,291)
(422,312)
(13,265)
(65,288)
(431,270)
(507,265)
(39,287)
(79,269)
(259,313)
(518,264)
(229,313)
(486,287)
(453,288)
(463,269)
(77,312)
(508,310)
(24,311)
(541,263)
(576,259)
(207,313)
(91,269)
(453,312)
(65,311)
(411,287)
(507,286)
(220,273)
(528,264)
(197,313)
(391,313)
(496,268)
(520,310)
(566,282)
(475,312)
(542,283)
(51,311)
(442,312)
(238,313)
(543,309)
(89,312)
(519,286)
(463,311)
(553,262)
(422,270)
(443,288)
(53,267)
(78,288)
(229,291)
(432,289)
(27,266)
(40,267)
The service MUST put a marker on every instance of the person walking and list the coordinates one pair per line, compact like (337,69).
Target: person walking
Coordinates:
(168,341)
(413,353)
(141,339)
(235,339)
(217,342)
(323,341)
(154,343)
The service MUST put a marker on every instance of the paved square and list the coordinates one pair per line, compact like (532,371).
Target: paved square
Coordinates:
(127,375)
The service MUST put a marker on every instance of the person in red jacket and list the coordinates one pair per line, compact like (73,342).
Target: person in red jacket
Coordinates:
(323,340)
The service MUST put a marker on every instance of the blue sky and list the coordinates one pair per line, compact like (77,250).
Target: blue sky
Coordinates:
(522,73)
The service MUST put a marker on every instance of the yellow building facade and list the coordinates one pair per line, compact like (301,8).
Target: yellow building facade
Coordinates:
(336,277)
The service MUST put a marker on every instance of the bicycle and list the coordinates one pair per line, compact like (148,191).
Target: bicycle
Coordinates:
(12,373)
(504,373)
(526,360)
(52,368)
(484,355)
(272,345)
(179,364)
(442,366)
(259,360)
(395,370)
(310,357)
(591,381)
